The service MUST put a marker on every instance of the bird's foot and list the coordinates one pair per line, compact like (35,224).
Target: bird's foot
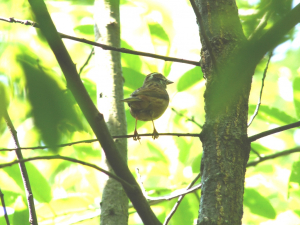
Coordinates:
(155,134)
(136,136)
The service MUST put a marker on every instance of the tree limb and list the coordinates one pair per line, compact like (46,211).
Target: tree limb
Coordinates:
(94,118)
(105,47)
(273,156)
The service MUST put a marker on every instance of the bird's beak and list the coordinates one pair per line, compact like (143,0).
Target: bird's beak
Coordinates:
(169,82)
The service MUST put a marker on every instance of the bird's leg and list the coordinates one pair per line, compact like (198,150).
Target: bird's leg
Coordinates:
(136,135)
(155,134)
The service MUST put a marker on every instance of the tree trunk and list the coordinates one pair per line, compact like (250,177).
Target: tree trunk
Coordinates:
(114,206)
(224,135)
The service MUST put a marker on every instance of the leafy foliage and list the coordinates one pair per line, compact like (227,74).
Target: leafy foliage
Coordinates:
(45,113)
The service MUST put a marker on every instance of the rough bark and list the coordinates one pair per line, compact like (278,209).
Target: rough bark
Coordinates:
(114,205)
(224,135)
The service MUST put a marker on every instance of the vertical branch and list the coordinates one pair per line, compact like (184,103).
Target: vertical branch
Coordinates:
(4,208)
(92,115)
(24,174)
(114,205)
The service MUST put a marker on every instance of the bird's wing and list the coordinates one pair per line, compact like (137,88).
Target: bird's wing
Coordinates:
(152,91)
(132,99)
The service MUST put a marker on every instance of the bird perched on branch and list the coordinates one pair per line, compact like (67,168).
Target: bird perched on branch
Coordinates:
(150,101)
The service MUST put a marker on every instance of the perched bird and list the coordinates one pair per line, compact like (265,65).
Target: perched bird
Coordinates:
(150,101)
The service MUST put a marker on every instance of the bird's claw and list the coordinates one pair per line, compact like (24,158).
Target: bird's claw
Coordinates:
(155,134)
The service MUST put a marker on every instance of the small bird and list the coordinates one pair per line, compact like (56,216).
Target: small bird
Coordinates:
(150,101)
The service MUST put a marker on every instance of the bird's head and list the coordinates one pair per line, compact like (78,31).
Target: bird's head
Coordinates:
(157,78)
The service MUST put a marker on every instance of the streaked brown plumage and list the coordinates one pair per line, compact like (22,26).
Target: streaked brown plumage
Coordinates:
(150,101)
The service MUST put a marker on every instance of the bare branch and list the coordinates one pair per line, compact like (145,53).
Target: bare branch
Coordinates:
(4,208)
(180,199)
(86,62)
(129,186)
(24,174)
(106,47)
(261,90)
(273,156)
(273,131)
(94,140)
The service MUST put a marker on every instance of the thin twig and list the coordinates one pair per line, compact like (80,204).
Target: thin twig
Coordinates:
(187,118)
(261,90)
(273,131)
(203,32)
(272,156)
(71,160)
(87,61)
(180,199)
(4,207)
(140,182)
(24,174)
(105,47)
(250,139)
(256,152)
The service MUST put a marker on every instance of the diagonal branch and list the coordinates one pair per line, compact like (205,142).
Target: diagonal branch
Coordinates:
(129,186)
(273,131)
(4,208)
(261,90)
(273,156)
(24,174)
(94,118)
(180,199)
(258,48)
(105,47)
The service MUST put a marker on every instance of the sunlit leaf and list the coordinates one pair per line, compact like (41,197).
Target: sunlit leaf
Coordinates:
(296,90)
(258,204)
(272,115)
(294,181)
(133,79)
(189,79)
(39,185)
(157,153)
(158,31)
(21,217)
(131,61)
(85,29)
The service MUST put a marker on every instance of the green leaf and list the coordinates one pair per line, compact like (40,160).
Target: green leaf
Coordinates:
(157,153)
(129,60)
(184,149)
(167,68)
(189,79)
(85,29)
(196,163)
(133,78)
(90,86)
(294,179)
(53,107)
(158,31)
(296,89)
(39,185)
(272,115)
(184,213)
(258,204)
(21,217)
